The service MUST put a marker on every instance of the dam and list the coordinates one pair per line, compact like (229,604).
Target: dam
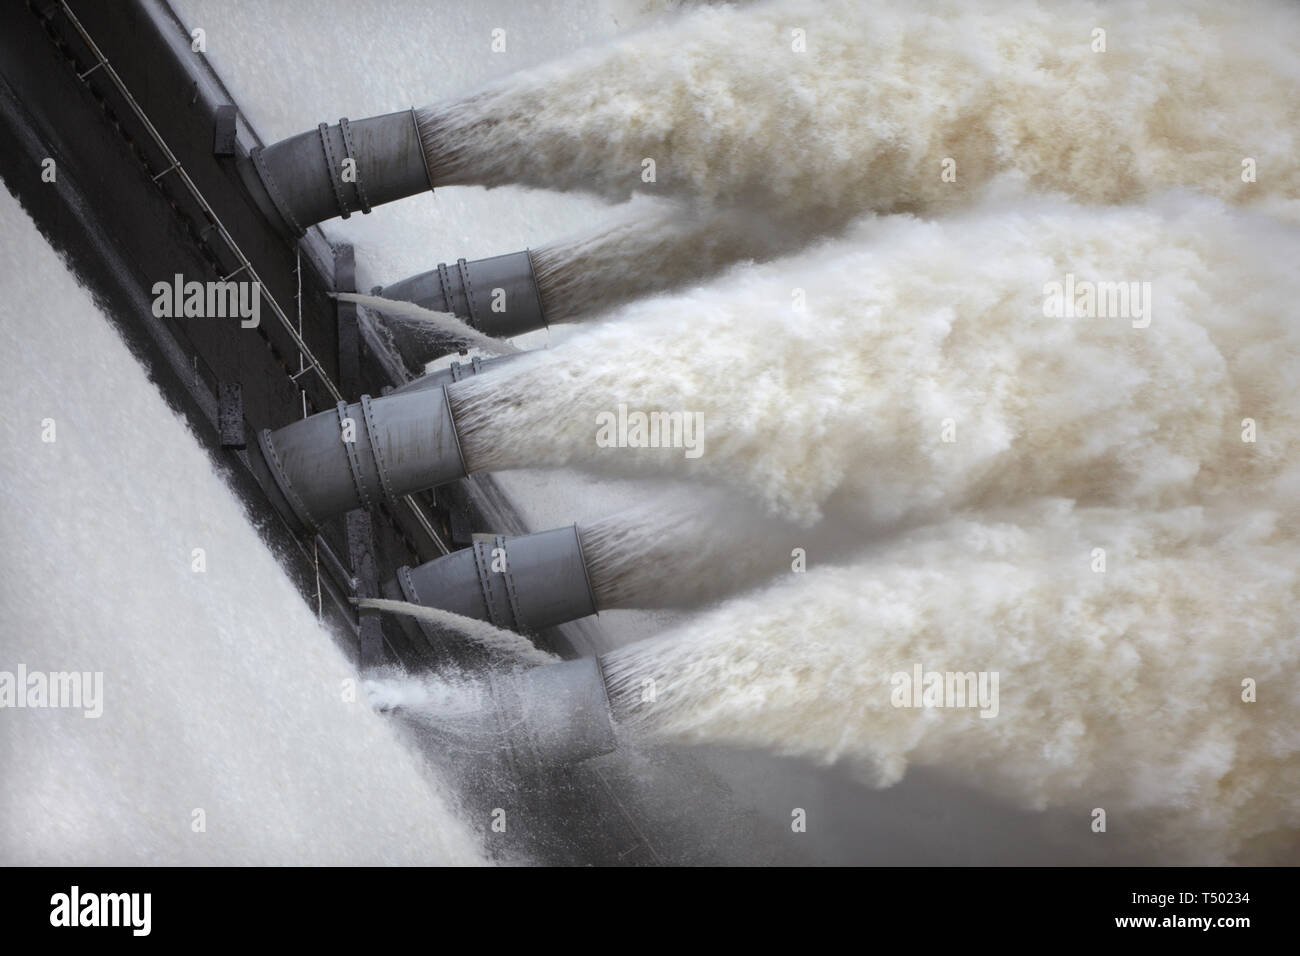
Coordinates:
(501,487)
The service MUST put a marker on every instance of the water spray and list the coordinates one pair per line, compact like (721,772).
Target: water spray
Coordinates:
(668,553)
(1163,110)
(582,275)
(498,296)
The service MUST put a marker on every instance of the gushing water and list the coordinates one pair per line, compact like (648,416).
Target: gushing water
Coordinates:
(454,714)
(501,643)
(824,110)
(437,696)
(682,550)
(928,370)
(431,328)
(1124,683)
(650,250)
(1121,673)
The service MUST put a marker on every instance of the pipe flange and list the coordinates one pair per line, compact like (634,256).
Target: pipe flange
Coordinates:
(346,131)
(537,289)
(375,451)
(586,573)
(407,584)
(471,317)
(511,594)
(483,567)
(444,283)
(415,121)
(334,174)
(354,460)
(455,432)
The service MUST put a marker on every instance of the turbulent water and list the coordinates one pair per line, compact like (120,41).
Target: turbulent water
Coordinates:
(429,329)
(653,246)
(1118,688)
(233,731)
(504,645)
(680,550)
(923,374)
(904,388)
(732,112)
(1102,505)
(765,147)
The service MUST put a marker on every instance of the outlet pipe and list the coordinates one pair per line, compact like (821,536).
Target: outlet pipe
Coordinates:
(336,171)
(498,296)
(455,372)
(364,452)
(554,714)
(521,583)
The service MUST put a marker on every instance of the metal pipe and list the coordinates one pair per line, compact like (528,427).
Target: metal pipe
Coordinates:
(454,372)
(498,296)
(337,170)
(554,714)
(522,583)
(362,453)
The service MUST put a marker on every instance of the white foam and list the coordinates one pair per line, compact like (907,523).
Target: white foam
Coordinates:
(918,332)
(1119,690)
(733,113)
(436,326)
(678,550)
(505,645)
